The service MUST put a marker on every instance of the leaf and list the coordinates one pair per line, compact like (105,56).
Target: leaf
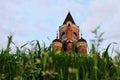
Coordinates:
(9,41)
(101,40)
(95,30)
(24,45)
(105,54)
(92,40)
(101,34)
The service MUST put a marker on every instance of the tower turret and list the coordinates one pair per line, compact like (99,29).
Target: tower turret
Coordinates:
(57,45)
(82,46)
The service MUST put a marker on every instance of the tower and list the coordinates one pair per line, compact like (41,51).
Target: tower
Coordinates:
(69,35)
(69,31)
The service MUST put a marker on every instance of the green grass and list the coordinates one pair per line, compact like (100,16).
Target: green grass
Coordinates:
(41,63)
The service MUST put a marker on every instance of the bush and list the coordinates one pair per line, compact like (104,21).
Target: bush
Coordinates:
(41,63)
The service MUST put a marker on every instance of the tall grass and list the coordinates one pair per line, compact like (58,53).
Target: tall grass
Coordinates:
(41,63)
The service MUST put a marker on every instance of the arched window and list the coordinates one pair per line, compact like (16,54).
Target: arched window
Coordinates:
(63,36)
(74,35)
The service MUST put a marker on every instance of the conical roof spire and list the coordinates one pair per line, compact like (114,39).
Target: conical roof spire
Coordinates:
(69,18)
(57,35)
(82,39)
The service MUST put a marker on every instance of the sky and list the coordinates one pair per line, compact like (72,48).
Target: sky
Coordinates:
(29,20)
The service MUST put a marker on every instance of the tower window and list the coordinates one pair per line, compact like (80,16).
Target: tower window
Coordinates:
(63,36)
(74,35)
(69,24)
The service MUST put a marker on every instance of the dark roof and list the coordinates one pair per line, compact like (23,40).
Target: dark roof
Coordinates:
(69,18)
(56,40)
(82,40)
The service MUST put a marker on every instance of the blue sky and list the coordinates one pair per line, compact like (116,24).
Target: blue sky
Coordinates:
(31,20)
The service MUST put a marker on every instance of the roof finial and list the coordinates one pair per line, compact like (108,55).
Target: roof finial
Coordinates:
(81,35)
(57,35)
(68,11)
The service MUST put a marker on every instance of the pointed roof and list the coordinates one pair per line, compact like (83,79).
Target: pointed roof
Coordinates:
(82,40)
(56,40)
(69,18)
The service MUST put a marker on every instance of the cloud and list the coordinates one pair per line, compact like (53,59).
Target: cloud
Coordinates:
(18,17)
(106,13)
(102,12)
(39,19)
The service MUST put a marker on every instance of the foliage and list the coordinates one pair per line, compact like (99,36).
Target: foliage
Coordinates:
(98,38)
(41,63)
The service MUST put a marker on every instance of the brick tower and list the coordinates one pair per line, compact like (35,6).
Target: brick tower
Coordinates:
(69,37)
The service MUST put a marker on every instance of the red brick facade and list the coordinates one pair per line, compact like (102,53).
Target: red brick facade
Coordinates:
(69,36)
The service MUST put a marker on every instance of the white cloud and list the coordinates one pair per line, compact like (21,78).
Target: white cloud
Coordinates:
(102,12)
(106,13)
(20,16)
(39,19)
